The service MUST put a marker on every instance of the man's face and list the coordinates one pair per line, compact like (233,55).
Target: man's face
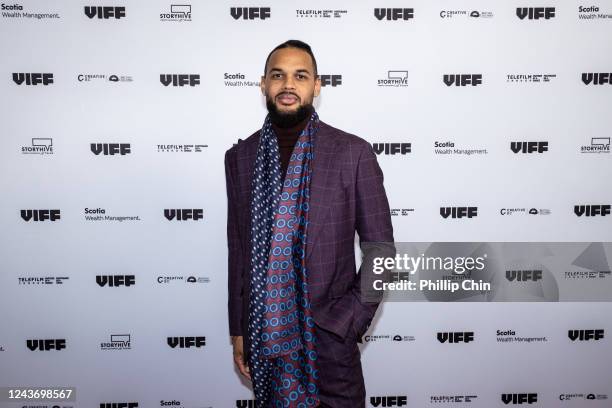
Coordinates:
(289,84)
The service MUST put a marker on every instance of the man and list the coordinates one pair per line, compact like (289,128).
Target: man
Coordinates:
(298,190)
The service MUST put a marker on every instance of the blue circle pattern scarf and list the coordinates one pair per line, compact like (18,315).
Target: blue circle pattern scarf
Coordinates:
(281,329)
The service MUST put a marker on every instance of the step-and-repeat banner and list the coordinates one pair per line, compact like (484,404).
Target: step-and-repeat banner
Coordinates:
(490,120)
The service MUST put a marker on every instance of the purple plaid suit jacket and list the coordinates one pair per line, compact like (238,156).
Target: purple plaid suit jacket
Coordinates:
(347,195)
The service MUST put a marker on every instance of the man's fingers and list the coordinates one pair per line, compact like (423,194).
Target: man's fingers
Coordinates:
(242,367)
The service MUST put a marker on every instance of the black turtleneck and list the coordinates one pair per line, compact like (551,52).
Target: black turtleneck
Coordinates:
(286,141)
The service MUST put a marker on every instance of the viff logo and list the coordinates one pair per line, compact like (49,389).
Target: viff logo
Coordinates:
(179,79)
(40,215)
(32,78)
(394,13)
(250,13)
(535,13)
(105,12)
(183,214)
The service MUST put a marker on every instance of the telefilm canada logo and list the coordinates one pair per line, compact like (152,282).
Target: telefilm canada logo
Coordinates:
(530,78)
(177,13)
(103,78)
(320,13)
(597,145)
(117,342)
(181,148)
(17,11)
(394,79)
(401,212)
(40,145)
(42,280)
(452,399)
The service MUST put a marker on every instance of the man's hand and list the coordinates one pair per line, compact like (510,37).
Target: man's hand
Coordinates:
(238,343)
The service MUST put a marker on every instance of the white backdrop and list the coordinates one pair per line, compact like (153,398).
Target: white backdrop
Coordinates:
(105,88)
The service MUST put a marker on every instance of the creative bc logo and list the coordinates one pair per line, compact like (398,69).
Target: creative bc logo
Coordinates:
(183,214)
(179,79)
(522,398)
(394,14)
(593,78)
(458,212)
(110,149)
(46,344)
(389,401)
(462,79)
(40,215)
(105,12)
(178,13)
(32,78)
(40,145)
(535,13)
(250,13)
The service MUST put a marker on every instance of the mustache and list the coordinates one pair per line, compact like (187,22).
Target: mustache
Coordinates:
(286,93)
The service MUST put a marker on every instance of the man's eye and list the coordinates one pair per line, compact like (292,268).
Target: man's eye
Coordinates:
(276,75)
(301,76)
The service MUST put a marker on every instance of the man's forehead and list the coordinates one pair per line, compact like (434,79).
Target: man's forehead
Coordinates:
(290,58)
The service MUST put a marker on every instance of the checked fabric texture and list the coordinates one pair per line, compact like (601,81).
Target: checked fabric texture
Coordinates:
(283,358)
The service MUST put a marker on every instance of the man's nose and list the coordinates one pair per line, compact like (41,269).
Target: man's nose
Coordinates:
(289,83)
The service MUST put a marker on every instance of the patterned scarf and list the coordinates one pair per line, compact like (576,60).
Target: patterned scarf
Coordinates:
(281,329)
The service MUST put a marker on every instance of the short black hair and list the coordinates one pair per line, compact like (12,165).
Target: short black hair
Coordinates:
(294,44)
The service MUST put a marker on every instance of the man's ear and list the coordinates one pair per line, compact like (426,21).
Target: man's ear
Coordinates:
(262,85)
(317,88)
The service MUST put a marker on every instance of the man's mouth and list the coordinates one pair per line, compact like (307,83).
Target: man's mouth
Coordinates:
(287,99)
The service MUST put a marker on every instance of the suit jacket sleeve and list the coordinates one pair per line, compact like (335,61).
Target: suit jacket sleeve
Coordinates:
(373,224)
(235,259)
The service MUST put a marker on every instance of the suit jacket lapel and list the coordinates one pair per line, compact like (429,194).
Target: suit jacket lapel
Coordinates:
(319,206)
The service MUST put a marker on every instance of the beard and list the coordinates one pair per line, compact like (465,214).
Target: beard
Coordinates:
(288,119)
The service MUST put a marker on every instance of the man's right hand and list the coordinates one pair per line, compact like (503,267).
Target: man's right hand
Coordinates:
(238,344)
